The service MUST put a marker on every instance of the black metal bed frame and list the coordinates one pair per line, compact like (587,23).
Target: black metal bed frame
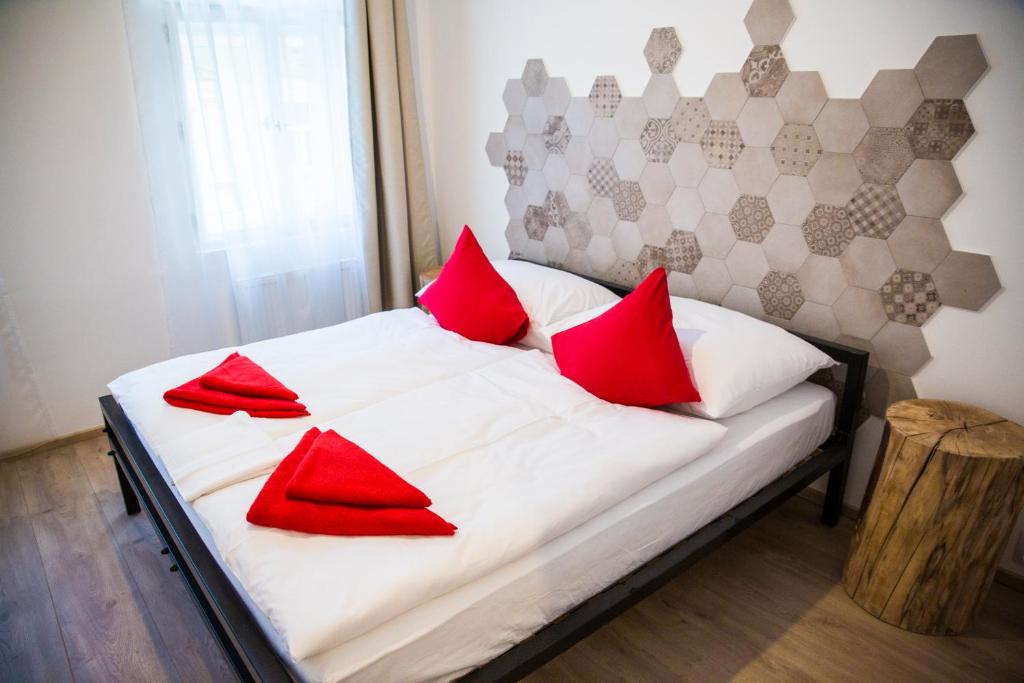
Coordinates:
(252,651)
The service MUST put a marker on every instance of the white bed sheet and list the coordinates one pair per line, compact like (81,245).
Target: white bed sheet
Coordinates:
(453,634)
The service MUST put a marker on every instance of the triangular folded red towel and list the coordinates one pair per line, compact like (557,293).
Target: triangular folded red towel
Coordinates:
(335,470)
(193,395)
(273,508)
(238,374)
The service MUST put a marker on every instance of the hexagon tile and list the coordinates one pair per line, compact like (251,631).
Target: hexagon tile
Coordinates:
(762,194)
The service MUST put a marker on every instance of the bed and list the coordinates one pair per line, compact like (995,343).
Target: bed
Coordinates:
(491,606)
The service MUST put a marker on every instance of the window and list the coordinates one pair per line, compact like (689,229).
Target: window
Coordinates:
(265,119)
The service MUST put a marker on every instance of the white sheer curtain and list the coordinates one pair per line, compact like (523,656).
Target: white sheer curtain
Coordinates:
(245,126)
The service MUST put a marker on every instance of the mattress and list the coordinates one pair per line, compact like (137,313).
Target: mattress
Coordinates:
(451,635)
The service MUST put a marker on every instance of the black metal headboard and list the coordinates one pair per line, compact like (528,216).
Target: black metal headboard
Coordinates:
(855,360)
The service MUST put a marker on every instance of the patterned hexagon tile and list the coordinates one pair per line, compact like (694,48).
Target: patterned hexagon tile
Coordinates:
(556,208)
(875,210)
(841,125)
(662,50)
(650,258)
(768,20)
(658,140)
(690,118)
(781,295)
(950,67)
(682,251)
(515,167)
(722,144)
(801,97)
(966,280)
(628,199)
(602,177)
(884,155)
(605,96)
(536,222)
(556,134)
(939,129)
(535,77)
(828,230)
(909,297)
(764,71)
(796,149)
(751,218)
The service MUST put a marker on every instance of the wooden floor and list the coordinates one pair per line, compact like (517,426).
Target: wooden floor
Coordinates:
(86,595)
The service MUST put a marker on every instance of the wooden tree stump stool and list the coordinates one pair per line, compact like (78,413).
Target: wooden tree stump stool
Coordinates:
(939,510)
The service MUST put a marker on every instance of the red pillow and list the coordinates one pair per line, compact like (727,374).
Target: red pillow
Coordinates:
(630,353)
(470,298)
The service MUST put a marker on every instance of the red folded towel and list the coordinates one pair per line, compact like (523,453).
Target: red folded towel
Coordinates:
(238,374)
(273,508)
(335,470)
(236,384)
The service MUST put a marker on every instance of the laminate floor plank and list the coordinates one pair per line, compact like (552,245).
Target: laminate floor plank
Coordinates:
(107,632)
(766,607)
(52,479)
(197,657)
(12,500)
(31,646)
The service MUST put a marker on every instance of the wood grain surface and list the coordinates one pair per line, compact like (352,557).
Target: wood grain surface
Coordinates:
(943,501)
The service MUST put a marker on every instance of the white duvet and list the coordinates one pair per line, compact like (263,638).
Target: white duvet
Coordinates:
(511,452)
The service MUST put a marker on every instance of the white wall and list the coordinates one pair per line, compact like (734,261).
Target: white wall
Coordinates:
(76,249)
(468,48)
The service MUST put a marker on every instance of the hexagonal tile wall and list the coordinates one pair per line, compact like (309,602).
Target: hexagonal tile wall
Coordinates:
(690,118)
(764,71)
(751,218)
(939,128)
(909,297)
(828,230)
(658,140)
(819,215)
(662,50)
(796,149)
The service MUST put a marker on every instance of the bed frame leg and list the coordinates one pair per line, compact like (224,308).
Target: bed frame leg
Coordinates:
(833,507)
(131,501)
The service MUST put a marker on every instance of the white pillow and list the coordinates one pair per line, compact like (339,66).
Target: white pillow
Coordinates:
(548,295)
(736,362)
